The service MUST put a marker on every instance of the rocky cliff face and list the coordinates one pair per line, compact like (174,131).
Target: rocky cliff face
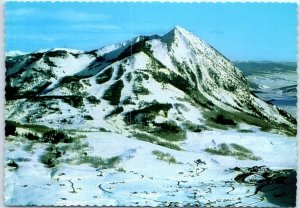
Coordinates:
(159,85)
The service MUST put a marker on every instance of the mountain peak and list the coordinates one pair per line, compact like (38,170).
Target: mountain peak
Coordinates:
(176,33)
(180,29)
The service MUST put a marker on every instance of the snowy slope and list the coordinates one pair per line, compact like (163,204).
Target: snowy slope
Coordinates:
(154,121)
(15,53)
(177,63)
(141,179)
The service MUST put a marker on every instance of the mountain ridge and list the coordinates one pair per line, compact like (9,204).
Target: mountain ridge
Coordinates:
(152,71)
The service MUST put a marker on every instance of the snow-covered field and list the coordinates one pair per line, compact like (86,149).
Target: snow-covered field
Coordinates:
(140,178)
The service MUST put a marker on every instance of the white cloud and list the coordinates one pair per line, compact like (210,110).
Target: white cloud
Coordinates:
(69,15)
(93,27)
(43,38)
(76,15)
(21,12)
(105,27)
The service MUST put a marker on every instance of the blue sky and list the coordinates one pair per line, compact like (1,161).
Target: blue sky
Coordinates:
(241,31)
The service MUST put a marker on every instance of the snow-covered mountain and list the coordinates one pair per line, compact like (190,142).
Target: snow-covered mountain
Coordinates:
(179,77)
(15,53)
(94,124)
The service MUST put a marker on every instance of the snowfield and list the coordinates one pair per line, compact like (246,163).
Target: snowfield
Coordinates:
(140,179)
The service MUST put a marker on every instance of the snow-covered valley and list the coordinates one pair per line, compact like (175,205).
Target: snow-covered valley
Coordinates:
(154,121)
(141,178)
(274,82)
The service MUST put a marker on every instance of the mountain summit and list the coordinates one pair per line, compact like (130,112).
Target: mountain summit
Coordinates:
(158,85)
